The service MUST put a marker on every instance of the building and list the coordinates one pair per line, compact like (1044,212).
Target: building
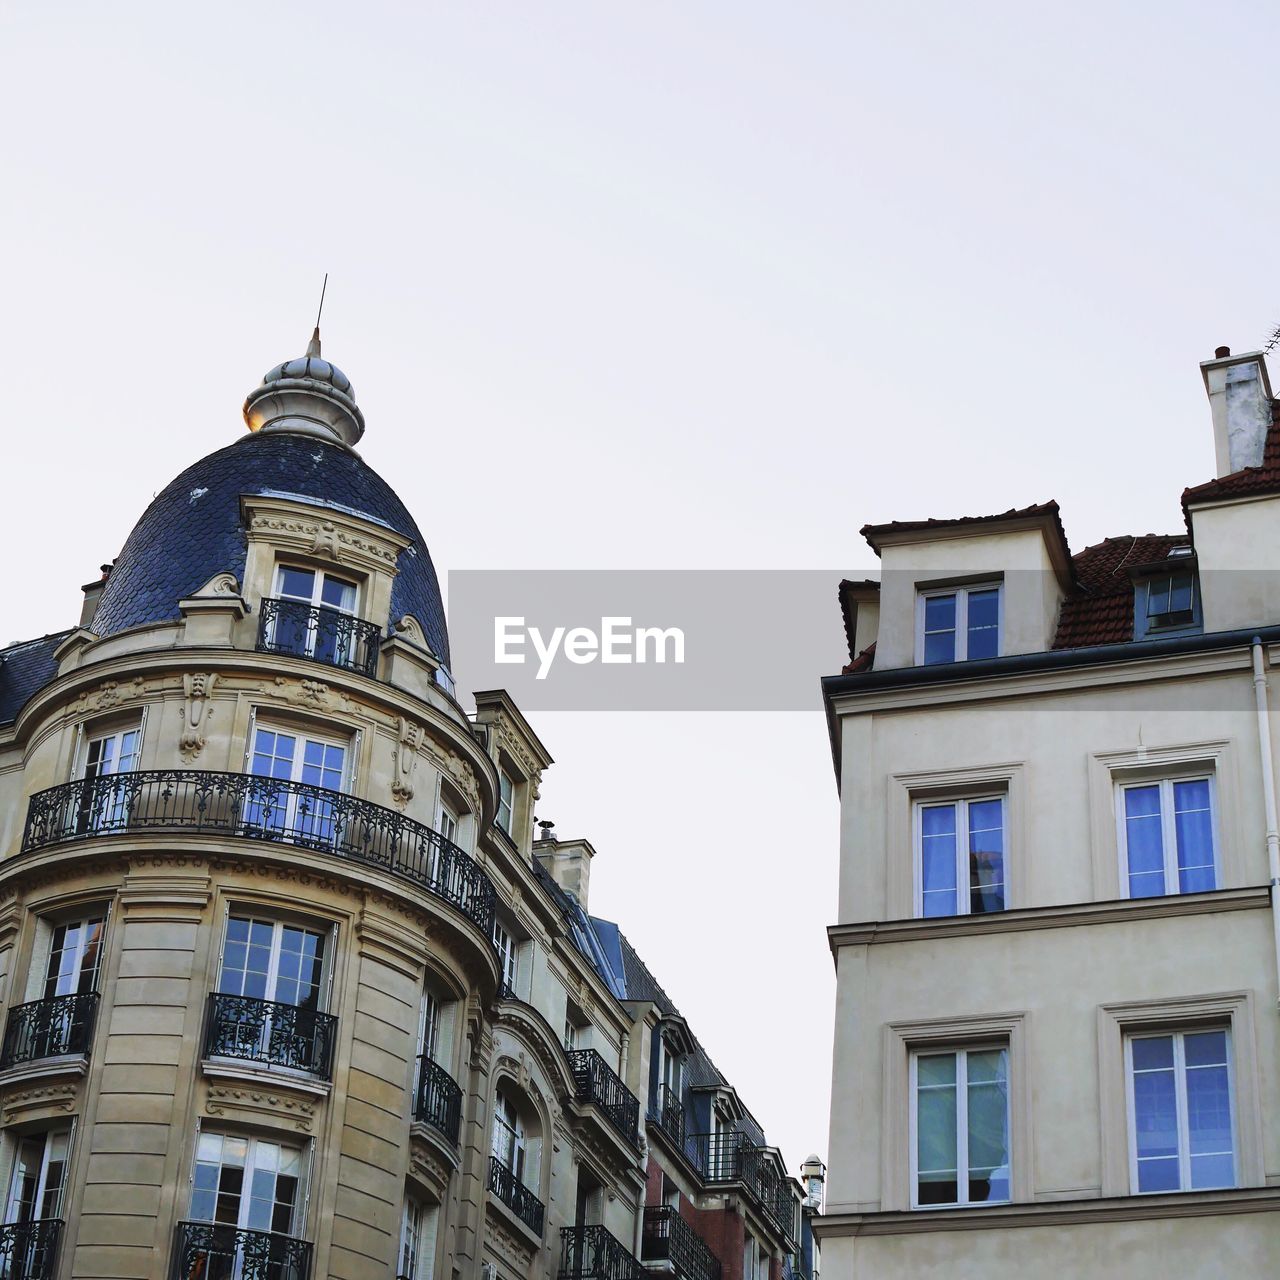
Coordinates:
(1057,1044)
(289,988)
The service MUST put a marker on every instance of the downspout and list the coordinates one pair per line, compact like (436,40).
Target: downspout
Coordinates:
(1268,792)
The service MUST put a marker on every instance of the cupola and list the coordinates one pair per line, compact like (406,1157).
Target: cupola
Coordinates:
(307,396)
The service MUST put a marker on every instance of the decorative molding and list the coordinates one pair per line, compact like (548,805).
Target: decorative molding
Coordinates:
(48,1099)
(515,1248)
(429,1161)
(111,694)
(347,539)
(241,1101)
(405,760)
(197,688)
(463,777)
(309,695)
(221,584)
(1051,1213)
(1118,911)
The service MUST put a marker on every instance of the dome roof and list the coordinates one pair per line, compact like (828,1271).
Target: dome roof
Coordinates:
(193,529)
(316,368)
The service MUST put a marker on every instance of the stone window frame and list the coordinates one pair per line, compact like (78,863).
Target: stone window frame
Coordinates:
(1109,770)
(1233,1010)
(908,790)
(901,1041)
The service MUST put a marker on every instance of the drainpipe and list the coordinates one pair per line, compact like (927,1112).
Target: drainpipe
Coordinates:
(1268,792)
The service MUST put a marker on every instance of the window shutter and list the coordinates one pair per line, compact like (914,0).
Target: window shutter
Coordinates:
(222,944)
(142,733)
(330,964)
(355,761)
(301,1228)
(248,738)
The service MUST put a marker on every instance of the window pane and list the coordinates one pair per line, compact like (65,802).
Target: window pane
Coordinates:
(1155,1113)
(984,624)
(338,594)
(986,856)
(1194,827)
(988,1125)
(1153,1053)
(939,629)
(298,584)
(936,1128)
(1144,841)
(938,860)
(940,647)
(1157,597)
(1180,593)
(1209,1128)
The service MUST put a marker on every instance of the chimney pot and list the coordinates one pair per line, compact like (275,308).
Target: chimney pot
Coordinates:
(1221,353)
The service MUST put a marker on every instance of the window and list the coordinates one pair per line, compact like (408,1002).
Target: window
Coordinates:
(960,857)
(248,1183)
(417,1235)
(958,624)
(1181,1127)
(506,798)
(39,1171)
(1167,837)
(1171,600)
(75,956)
(506,946)
(508,1135)
(270,960)
(429,1027)
(321,589)
(301,624)
(960,1126)
(295,758)
(447,823)
(104,805)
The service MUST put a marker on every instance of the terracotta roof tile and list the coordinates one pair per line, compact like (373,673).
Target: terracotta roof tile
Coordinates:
(1263,479)
(872,531)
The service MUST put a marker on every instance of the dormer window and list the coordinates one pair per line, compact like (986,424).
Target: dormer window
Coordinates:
(1167,596)
(958,624)
(313,615)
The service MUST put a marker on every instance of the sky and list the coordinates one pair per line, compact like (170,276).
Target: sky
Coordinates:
(650,286)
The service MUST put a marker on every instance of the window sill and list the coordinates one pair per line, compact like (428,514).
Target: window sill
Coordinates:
(235,1069)
(65,1064)
(1015,920)
(1182,1204)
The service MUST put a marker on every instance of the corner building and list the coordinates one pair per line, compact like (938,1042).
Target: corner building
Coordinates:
(289,989)
(1057,1039)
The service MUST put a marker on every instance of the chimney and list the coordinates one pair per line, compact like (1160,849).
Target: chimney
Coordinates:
(814,1175)
(568,861)
(1240,402)
(92,593)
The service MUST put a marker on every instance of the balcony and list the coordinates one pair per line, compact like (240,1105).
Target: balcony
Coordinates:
(516,1196)
(322,635)
(29,1250)
(248,807)
(591,1253)
(731,1156)
(218,1251)
(438,1101)
(667,1237)
(669,1115)
(596,1082)
(49,1028)
(276,1035)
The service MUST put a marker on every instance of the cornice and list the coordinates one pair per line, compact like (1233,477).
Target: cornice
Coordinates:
(1117,911)
(1050,1213)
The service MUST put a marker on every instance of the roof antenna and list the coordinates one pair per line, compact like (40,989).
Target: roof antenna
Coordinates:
(313,347)
(1272,341)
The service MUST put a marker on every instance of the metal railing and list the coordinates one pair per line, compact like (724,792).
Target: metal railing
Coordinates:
(438,1101)
(279,1035)
(668,1237)
(668,1114)
(516,1196)
(323,635)
(592,1253)
(594,1080)
(29,1250)
(202,802)
(49,1029)
(731,1156)
(218,1251)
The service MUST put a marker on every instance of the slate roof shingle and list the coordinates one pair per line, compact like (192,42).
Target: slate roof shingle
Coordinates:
(25,668)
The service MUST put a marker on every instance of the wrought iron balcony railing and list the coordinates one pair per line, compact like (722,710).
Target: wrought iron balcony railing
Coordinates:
(218,1251)
(49,1029)
(595,1081)
(200,802)
(323,635)
(29,1250)
(278,1035)
(731,1156)
(516,1196)
(591,1253)
(439,1099)
(668,1114)
(667,1237)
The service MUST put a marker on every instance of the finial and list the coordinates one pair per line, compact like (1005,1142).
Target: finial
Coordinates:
(313,347)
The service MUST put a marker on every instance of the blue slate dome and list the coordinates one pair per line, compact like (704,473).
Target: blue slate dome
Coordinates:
(192,530)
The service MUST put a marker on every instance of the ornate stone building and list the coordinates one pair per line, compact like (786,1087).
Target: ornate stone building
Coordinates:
(289,988)
(1057,1048)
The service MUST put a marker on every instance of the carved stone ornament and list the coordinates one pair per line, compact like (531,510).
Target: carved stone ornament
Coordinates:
(406,760)
(326,541)
(196,713)
(512,1249)
(111,693)
(325,537)
(299,1112)
(310,695)
(44,1098)
(221,584)
(464,778)
(410,629)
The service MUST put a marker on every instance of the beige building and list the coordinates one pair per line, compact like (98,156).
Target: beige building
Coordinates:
(1057,1042)
(289,988)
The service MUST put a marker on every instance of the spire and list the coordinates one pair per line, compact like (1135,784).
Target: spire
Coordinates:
(313,347)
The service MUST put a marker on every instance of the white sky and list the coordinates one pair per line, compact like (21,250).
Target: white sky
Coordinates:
(660,285)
